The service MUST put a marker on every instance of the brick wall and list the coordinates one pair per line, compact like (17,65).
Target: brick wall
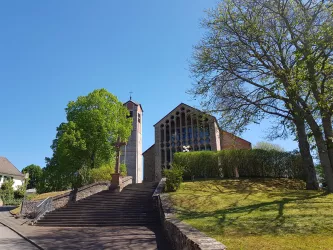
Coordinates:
(149,164)
(230,141)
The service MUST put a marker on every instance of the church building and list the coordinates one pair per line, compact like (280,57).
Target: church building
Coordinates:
(186,128)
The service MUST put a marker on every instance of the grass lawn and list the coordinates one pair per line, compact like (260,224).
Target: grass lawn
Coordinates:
(37,197)
(258,213)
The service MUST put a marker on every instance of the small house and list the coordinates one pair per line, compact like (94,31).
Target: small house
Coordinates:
(9,171)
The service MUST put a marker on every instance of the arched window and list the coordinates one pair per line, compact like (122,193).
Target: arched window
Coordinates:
(162,135)
(167,130)
(162,155)
(168,155)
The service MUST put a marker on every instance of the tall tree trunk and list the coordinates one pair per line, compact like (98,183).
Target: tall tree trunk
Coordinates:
(322,152)
(307,160)
(325,161)
(327,125)
(325,147)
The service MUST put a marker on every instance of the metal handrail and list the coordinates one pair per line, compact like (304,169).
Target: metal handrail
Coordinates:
(44,207)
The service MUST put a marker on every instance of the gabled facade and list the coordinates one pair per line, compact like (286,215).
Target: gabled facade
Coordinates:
(189,127)
(9,171)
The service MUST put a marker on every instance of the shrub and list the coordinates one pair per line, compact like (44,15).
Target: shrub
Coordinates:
(123,170)
(240,162)
(102,173)
(11,201)
(174,178)
(7,193)
(7,186)
(195,164)
(19,193)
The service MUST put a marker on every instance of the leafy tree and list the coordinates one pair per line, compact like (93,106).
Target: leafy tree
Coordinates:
(35,174)
(271,58)
(86,141)
(268,146)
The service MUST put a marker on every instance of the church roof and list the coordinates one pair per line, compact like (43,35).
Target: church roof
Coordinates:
(148,148)
(135,103)
(187,106)
(7,168)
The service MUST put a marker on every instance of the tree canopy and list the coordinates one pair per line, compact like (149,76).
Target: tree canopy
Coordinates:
(268,146)
(35,174)
(271,58)
(94,123)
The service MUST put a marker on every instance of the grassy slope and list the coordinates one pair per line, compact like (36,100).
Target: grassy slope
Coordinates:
(258,214)
(38,197)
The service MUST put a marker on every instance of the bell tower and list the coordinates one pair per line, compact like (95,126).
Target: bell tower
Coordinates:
(132,152)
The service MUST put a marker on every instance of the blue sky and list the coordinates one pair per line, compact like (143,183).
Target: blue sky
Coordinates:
(51,52)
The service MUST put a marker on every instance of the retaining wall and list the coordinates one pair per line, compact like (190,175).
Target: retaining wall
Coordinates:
(180,235)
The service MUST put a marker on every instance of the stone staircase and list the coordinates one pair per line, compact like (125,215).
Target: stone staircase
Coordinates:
(131,207)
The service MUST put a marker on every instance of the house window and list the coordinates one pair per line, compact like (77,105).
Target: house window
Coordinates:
(139,118)
(7,178)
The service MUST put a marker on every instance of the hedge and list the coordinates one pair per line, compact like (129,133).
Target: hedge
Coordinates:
(248,163)
(173,179)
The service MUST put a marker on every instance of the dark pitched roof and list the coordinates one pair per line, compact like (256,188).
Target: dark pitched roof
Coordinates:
(148,148)
(186,105)
(135,103)
(6,167)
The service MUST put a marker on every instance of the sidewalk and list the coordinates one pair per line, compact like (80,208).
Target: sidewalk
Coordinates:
(20,226)
(84,237)
(11,240)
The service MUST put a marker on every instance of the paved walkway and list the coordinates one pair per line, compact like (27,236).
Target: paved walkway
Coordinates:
(127,238)
(11,240)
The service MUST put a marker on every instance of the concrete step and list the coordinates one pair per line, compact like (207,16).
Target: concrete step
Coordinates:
(106,212)
(106,208)
(96,225)
(133,206)
(110,203)
(109,215)
(100,220)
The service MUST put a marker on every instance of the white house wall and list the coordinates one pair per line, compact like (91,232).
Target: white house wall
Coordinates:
(17,182)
